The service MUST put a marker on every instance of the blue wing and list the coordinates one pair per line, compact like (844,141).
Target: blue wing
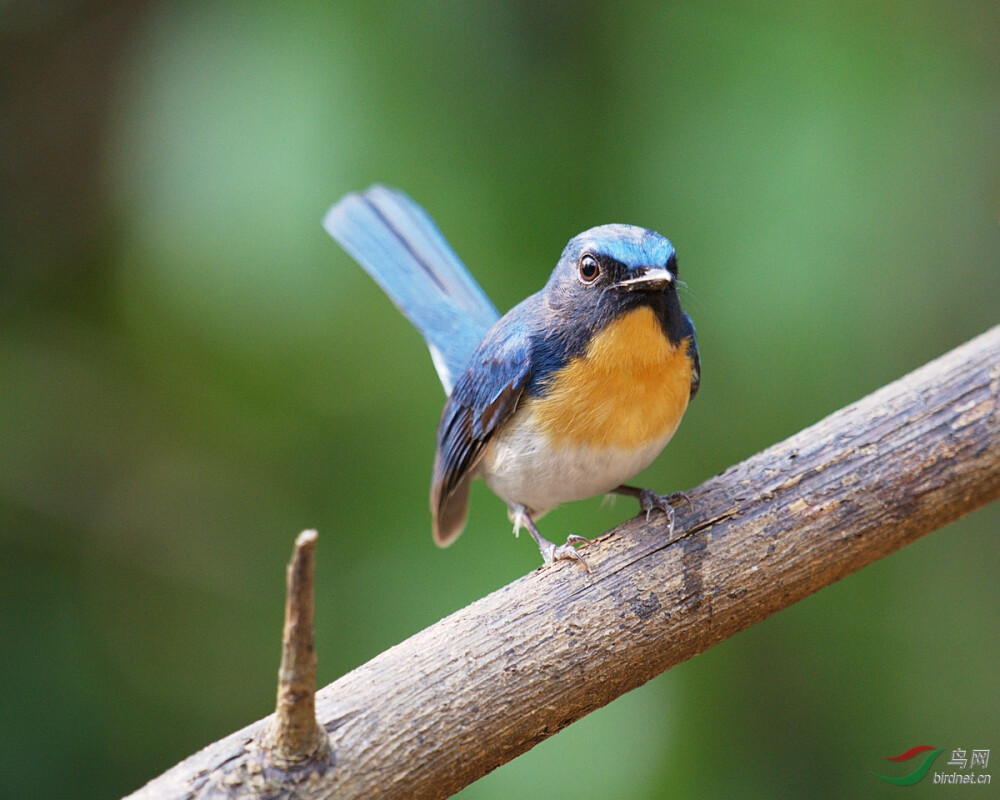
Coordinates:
(399,245)
(688,332)
(483,399)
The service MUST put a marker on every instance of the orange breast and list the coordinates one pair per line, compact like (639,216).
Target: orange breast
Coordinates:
(630,388)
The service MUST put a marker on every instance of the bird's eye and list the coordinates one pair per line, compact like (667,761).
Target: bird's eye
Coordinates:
(589,269)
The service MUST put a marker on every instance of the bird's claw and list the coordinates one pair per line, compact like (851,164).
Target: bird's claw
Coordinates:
(650,500)
(552,552)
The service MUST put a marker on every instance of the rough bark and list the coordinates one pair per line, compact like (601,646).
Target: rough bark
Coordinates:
(294,736)
(485,684)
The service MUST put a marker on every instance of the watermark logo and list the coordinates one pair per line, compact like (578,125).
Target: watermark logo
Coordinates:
(921,770)
(965,763)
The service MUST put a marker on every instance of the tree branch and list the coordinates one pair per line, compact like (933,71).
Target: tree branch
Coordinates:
(294,736)
(453,702)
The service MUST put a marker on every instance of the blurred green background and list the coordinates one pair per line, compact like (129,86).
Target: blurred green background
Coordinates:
(193,372)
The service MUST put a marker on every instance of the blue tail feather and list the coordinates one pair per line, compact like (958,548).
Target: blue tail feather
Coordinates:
(399,245)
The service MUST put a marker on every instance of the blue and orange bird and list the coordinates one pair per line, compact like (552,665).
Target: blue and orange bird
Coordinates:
(566,396)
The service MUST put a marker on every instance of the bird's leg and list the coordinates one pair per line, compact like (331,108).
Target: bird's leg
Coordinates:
(648,500)
(521,518)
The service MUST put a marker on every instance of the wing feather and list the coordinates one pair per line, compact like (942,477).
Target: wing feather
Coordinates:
(483,399)
(693,355)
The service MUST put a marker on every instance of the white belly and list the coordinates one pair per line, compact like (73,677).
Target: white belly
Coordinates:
(522,469)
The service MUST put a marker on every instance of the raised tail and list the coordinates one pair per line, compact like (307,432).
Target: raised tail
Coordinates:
(399,245)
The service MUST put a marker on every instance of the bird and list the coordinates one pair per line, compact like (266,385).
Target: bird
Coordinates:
(568,395)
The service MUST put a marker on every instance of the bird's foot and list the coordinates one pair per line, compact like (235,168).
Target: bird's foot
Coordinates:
(552,552)
(650,500)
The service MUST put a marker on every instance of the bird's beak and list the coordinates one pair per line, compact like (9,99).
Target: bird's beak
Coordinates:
(652,278)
